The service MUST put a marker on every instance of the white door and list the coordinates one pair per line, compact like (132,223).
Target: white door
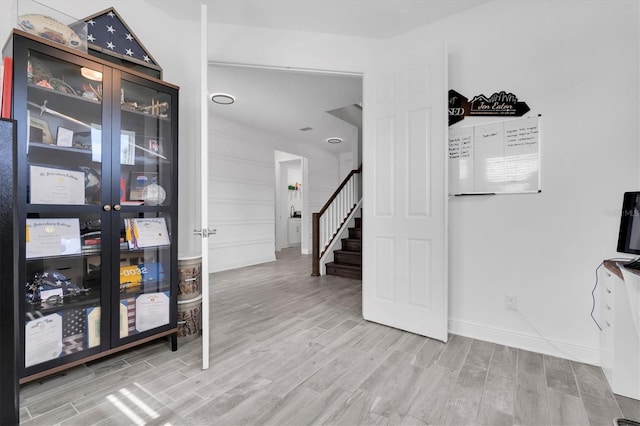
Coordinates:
(404,226)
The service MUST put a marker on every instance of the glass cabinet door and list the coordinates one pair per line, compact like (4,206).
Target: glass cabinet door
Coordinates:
(145,175)
(64,220)
(95,207)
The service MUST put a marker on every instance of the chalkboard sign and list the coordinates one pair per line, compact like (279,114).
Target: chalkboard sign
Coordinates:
(495,158)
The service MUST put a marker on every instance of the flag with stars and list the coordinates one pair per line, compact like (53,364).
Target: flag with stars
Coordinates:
(107,32)
(73,329)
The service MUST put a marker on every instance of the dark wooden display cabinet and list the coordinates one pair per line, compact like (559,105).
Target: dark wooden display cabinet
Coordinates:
(96,208)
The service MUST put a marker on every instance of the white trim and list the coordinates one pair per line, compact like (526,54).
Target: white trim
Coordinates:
(529,342)
(241,264)
(215,200)
(214,246)
(238,180)
(246,161)
(289,69)
(243,222)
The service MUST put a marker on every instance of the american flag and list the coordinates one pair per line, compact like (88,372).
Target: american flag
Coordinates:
(130,302)
(73,328)
(110,34)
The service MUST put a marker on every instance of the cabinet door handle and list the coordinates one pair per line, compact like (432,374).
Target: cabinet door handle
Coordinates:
(608,307)
(117,207)
(608,325)
(106,207)
(608,291)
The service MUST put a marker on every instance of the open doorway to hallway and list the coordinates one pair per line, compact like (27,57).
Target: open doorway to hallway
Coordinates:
(290,200)
(292,111)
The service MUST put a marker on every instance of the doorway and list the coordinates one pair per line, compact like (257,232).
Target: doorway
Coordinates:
(289,201)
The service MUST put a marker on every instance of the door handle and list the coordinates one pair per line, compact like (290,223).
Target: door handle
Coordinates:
(117,207)
(106,207)
(204,233)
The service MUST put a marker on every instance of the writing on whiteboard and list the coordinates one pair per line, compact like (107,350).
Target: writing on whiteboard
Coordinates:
(495,157)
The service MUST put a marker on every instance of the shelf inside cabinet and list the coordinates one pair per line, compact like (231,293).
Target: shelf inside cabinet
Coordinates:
(144,114)
(41,145)
(44,308)
(93,249)
(143,288)
(46,91)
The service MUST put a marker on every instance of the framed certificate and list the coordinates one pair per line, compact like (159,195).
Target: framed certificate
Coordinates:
(152,310)
(56,186)
(42,339)
(93,326)
(146,232)
(52,237)
(137,182)
(64,137)
(40,127)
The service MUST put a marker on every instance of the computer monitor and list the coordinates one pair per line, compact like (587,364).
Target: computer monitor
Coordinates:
(629,235)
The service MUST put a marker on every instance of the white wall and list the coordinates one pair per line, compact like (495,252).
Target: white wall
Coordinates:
(576,63)
(346,164)
(242,191)
(175,46)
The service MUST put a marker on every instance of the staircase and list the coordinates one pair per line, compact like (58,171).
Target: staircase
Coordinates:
(348,261)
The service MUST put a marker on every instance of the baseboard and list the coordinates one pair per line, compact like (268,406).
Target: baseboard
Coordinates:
(527,342)
(225,266)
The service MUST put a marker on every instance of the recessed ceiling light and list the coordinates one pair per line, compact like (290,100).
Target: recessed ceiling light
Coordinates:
(334,140)
(223,98)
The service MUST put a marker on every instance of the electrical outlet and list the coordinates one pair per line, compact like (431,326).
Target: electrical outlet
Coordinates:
(511,302)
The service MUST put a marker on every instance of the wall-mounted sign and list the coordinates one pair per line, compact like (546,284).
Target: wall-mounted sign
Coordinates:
(458,107)
(498,104)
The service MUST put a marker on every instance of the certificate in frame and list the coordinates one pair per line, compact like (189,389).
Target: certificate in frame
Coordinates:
(39,126)
(137,183)
(52,237)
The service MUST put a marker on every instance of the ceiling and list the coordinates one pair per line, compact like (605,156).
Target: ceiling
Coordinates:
(282,102)
(364,18)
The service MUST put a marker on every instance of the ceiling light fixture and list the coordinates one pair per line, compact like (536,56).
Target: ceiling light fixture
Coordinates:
(334,140)
(223,98)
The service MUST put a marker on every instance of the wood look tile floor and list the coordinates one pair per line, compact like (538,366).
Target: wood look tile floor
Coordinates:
(291,349)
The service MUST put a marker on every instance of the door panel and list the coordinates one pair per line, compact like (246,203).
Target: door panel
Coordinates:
(405,271)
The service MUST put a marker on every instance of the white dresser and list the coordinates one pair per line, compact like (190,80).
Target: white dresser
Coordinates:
(618,314)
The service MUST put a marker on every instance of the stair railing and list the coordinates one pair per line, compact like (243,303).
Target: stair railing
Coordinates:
(327,222)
